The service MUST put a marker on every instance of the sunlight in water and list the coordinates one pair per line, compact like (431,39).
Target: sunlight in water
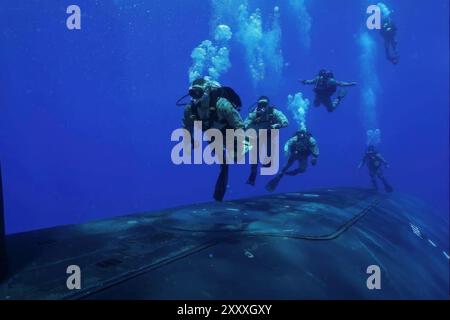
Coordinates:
(304,21)
(370,84)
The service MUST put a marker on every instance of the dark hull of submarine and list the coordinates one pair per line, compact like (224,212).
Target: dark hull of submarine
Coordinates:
(309,245)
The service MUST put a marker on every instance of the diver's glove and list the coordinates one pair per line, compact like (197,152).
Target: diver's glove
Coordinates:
(314,161)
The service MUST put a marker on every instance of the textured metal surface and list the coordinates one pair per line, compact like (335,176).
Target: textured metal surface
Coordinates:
(314,244)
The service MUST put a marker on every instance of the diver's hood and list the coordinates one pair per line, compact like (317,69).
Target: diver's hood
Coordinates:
(263,100)
(214,90)
(204,85)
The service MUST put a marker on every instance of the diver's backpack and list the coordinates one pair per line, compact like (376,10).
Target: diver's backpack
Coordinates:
(214,95)
(302,146)
(323,86)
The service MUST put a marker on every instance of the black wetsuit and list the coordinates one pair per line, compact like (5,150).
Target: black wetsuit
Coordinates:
(222,113)
(299,151)
(375,162)
(389,34)
(324,88)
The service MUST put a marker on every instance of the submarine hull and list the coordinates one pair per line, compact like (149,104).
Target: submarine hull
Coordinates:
(319,244)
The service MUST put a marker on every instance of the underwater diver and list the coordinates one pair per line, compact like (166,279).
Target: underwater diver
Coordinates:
(264,116)
(389,33)
(217,108)
(299,148)
(374,162)
(325,85)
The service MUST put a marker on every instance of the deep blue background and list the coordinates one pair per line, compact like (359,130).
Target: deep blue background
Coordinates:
(86,116)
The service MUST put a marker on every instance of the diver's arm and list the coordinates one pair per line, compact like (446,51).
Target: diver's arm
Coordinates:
(230,114)
(281,120)
(313,81)
(383,160)
(363,162)
(250,118)
(345,84)
(188,122)
(234,121)
(313,147)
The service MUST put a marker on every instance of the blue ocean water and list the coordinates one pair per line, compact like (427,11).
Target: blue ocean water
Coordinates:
(86,115)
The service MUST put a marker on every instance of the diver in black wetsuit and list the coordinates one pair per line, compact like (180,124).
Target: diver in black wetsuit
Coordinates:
(389,33)
(325,85)
(374,162)
(299,148)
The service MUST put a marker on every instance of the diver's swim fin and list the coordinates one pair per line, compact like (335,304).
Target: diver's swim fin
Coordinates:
(221,184)
(273,184)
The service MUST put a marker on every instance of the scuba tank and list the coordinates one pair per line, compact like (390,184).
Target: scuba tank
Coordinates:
(322,85)
(301,146)
(3,258)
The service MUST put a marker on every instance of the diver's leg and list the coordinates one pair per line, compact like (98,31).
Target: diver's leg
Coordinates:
(386,49)
(395,54)
(394,44)
(340,96)
(317,101)
(373,179)
(386,184)
(302,165)
(254,167)
(222,182)
(331,105)
(286,167)
(269,142)
(253,173)
(391,51)
(268,147)
(273,184)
